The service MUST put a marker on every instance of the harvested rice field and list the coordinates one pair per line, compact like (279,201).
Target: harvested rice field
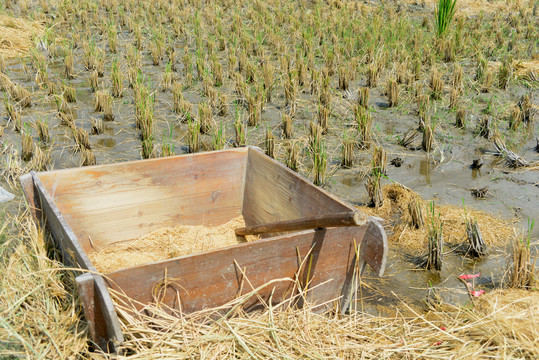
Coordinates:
(421,113)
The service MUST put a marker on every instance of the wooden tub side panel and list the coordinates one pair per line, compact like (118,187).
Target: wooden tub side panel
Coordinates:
(120,202)
(275,193)
(211,279)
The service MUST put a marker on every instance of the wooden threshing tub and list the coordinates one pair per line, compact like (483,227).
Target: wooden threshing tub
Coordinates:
(91,207)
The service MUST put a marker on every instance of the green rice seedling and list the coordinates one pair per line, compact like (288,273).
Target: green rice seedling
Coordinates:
(290,94)
(446,49)
(487,81)
(444,12)
(286,126)
(344,78)
(254,110)
(435,241)
(315,81)
(457,78)
(27,145)
(460,119)
(186,60)
(292,155)
(137,33)
(454,96)
(69,93)
(522,273)
(112,36)
(239,128)
(392,92)
(403,77)
(323,114)
(89,55)
(269,143)
(100,99)
(205,118)
(484,128)
(515,118)
(117,79)
(133,73)
(364,121)
(155,52)
(481,69)
(347,151)
(379,160)
(416,68)
(301,71)
(319,157)
(428,137)
(363,97)
(527,109)
(167,145)
(100,63)
(200,66)
(148,150)
(436,84)
(97,126)
(324,94)
(267,77)
(240,86)
(218,140)
(87,157)
(232,62)
(94,81)
(193,135)
(133,56)
(374,190)
(373,73)
(222,106)
(505,73)
(416,219)
(42,128)
(69,69)
(167,79)
(217,71)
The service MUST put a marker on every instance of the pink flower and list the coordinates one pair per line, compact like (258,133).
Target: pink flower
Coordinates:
(469,276)
(477,293)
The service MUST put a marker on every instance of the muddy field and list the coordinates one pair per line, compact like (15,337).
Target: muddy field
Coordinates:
(321,86)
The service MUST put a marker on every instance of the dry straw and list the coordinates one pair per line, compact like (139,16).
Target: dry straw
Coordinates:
(16,35)
(495,230)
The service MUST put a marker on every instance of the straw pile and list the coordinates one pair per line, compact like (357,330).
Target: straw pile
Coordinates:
(167,243)
(505,325)
(16,35)
(495,230)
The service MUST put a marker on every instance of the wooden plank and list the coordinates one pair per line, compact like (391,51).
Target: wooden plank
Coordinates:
(66,241)
(349,218)
(211,279)
(125,201)
(275,193)
(27,185)
(73,255)
(97,308)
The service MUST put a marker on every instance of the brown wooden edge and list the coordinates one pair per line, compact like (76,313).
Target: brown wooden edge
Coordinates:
(102,312)
(350,218)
